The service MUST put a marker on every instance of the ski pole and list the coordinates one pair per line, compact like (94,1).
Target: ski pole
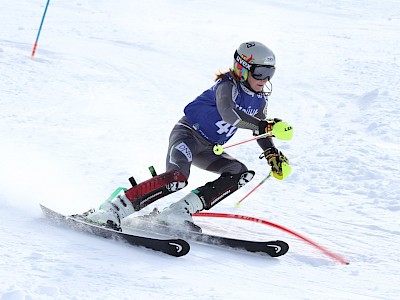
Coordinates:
(40,29)
(237,204)
(281,131)
(218,149)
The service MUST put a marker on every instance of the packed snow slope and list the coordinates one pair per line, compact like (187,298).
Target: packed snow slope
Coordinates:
(96,105)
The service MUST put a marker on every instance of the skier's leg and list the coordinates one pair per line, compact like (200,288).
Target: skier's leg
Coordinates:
(179,160)
(207,196)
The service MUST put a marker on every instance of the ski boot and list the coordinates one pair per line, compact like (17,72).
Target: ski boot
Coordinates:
(111,213)
(180,213)
(205,197)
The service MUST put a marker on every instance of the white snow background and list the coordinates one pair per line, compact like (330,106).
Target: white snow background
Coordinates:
(96,105)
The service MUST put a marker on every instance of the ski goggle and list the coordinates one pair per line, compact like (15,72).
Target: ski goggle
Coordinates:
(262,72)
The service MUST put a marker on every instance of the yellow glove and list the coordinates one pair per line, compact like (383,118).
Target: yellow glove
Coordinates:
(278,161)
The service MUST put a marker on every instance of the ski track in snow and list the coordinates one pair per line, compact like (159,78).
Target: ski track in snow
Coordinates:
(99,99)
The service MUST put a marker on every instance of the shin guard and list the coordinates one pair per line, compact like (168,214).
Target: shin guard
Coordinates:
(213,192)
(155,188)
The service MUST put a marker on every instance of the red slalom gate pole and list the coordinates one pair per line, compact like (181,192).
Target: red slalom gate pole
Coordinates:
(40,29)
(265,222)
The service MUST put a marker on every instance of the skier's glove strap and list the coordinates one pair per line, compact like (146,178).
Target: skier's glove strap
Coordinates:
(278,161)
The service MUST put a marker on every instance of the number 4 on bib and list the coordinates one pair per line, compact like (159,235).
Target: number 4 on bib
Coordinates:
(225,128)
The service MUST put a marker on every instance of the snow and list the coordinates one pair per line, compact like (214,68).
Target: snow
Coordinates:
(96,105)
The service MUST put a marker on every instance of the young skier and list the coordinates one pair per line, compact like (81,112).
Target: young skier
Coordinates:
(238,99)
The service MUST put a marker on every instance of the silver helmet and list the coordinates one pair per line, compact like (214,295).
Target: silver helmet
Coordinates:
(256,58)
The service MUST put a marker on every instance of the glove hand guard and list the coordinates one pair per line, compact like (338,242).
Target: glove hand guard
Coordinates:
(267,125)
(278,161)
(276,128)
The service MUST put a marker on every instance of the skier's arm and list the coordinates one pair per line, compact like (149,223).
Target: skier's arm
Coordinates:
(225,95)
(226,106)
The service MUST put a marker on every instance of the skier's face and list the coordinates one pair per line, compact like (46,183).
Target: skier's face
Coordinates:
(256,85)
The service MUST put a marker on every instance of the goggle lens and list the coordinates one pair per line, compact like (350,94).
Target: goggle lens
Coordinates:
(261,72)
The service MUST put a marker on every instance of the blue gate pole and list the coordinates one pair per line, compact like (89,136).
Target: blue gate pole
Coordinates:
(40,29)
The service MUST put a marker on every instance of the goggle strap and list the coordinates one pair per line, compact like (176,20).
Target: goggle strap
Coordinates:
(239,59)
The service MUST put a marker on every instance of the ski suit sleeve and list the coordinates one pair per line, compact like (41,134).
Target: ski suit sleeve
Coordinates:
(225,96)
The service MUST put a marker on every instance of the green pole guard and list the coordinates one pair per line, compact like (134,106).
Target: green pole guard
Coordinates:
(286,170)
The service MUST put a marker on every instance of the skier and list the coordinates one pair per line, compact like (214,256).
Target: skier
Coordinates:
(238,99)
